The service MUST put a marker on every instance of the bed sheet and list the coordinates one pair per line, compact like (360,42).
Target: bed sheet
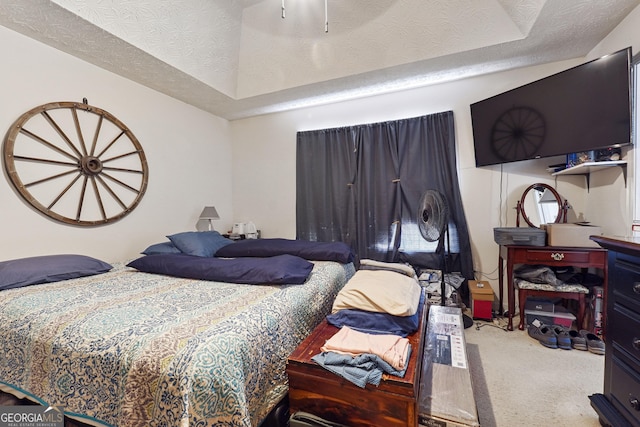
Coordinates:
(128,348)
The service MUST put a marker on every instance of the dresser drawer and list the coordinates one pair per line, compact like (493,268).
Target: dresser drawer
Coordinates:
(626,334)
(625,285)
(548,257)
(625,390)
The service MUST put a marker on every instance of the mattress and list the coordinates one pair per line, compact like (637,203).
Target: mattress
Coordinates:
(127,348)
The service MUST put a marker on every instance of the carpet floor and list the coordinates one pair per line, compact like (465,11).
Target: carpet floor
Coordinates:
(519,382)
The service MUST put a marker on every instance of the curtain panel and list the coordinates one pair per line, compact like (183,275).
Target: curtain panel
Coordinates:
(363,184)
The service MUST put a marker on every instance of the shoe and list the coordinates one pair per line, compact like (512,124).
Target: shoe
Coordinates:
(544,334)
(594,343)
(562,337)
(577,341)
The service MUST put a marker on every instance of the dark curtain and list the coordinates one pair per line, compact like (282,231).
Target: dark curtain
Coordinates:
(376,193)
(325,171)
(362,185)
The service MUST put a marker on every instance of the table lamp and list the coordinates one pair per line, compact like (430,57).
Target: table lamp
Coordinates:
(209,213)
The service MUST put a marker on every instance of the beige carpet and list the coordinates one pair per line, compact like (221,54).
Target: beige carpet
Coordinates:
(519,382)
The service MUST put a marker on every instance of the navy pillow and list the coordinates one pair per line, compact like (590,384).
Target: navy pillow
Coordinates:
(283,269)
(315,251)
(49,268)
(199,243)
(161,248)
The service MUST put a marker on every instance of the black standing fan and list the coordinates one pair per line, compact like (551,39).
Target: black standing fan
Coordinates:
(433,222)
(433,217)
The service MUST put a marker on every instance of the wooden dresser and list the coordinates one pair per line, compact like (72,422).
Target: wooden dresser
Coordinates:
(619,406)
(315,390)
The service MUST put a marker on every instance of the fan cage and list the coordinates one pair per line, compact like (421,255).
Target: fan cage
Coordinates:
(432,215)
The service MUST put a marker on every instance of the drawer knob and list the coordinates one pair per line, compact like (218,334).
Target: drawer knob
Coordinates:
(557,256)
(636,343)
(635,403)
(636,287)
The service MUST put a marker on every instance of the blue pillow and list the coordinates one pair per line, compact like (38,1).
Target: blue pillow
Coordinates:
(313,251)
(161,248)
(199,243)
(281,269)
(49,268)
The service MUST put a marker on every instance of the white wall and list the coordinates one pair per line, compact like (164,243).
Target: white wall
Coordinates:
(267,144)
(188,153)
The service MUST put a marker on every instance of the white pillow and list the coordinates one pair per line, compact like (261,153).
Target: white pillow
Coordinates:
(380,291)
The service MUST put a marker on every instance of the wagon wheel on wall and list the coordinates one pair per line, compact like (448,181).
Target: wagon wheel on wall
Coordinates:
(518,133)
(76,163)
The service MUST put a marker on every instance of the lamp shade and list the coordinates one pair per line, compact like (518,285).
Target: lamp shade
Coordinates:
(209,212)
(548,197)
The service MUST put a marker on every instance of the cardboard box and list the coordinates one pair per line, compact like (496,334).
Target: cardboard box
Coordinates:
(446,393)
(481,299)
(572,235)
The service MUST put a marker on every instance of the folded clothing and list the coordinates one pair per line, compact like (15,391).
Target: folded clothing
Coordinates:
(378,323)
(391,348)
(360,370)
(380,291)
(537,274)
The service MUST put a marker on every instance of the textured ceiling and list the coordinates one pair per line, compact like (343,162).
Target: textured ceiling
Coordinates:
(237,58)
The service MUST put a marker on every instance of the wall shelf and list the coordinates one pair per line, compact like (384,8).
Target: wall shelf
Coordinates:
(589,167)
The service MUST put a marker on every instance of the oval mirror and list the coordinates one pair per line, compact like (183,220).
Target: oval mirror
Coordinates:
(540,204)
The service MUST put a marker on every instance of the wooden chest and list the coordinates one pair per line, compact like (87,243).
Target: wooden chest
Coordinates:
(315,390)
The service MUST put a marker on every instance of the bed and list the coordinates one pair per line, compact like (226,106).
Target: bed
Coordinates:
(131,348)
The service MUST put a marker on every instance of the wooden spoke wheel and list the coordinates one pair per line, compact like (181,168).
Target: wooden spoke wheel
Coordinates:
(76,163)
(518,133)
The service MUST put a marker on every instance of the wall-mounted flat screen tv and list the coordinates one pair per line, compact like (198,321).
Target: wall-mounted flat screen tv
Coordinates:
(587,107)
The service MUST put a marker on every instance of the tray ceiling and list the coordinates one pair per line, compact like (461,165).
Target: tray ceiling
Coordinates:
(238,58)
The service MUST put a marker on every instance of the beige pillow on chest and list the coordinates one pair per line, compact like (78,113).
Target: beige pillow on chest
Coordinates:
(380,291)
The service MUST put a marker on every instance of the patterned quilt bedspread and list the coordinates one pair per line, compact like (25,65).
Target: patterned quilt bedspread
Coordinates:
(126,348)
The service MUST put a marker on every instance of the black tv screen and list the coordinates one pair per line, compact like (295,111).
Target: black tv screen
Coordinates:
(584,108)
